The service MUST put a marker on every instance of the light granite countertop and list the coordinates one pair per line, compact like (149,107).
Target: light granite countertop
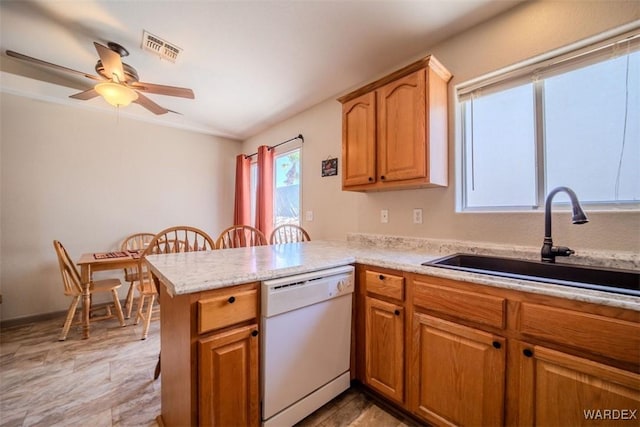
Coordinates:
(191,272)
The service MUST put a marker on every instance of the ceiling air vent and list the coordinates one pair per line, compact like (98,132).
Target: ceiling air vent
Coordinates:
(160,47)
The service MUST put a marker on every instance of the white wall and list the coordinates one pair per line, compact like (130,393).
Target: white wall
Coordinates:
(89,179)
(524,32)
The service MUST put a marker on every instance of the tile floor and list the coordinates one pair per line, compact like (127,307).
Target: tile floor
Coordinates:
(107,380)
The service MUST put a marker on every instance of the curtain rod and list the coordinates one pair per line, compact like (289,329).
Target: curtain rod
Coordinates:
(300,137)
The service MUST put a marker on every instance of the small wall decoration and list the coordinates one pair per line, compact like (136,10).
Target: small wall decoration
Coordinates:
(330,167)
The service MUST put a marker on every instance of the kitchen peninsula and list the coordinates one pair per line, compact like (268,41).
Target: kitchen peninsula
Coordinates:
(210,305)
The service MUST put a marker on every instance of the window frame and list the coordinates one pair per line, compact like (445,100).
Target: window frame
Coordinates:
(563,60)
(282,151)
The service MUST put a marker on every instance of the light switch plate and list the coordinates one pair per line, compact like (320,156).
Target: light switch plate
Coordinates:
(308,216)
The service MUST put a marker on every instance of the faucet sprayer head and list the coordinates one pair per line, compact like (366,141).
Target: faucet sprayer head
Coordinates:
(579,217)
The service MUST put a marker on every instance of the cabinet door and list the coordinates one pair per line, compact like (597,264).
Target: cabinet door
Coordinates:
(384,348)
(457,373)
(560,389)
(359,140)
(402,128)
(228,378)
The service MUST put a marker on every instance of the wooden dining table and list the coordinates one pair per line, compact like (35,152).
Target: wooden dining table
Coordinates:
(100,261)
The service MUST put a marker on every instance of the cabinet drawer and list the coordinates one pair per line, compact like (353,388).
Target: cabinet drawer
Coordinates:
(386,285)
(613,338)
(227,309)
(475,307)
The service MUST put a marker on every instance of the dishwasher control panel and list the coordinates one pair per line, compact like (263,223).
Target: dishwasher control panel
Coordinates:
(293,292)
(344,285)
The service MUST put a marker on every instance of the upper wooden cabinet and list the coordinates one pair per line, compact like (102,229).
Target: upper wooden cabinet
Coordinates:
(394,130)
(359,129)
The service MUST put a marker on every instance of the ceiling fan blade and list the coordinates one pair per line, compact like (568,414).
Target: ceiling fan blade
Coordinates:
(150,105)
(50,65)
(110,61)
(181,92)
(87,94)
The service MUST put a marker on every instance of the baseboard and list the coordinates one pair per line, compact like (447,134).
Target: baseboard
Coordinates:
(19,321)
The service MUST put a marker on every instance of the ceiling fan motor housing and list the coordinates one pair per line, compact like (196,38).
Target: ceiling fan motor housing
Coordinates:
(119,49)
(130,73)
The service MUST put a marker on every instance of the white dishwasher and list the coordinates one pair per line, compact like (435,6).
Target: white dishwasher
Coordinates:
(306,343)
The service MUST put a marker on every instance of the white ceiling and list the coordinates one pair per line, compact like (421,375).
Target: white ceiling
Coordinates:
(251,64)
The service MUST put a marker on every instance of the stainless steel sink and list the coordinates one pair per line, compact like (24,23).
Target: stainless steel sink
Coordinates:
(605,279)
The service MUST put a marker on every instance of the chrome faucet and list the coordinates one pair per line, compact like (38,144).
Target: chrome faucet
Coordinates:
(550,252)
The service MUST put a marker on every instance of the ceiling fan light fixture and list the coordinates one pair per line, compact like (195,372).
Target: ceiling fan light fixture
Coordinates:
(116,94)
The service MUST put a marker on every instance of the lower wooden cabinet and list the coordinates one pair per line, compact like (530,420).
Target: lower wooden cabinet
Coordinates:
(228,378)
(556,388)
(448,352)
(384,348)
(457,353)
(210,357)
(457,373)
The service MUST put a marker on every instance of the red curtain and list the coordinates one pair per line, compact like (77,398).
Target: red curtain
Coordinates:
(242,207)
(264,196)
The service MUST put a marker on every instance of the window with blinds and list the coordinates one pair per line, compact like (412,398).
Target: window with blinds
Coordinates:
(570,119)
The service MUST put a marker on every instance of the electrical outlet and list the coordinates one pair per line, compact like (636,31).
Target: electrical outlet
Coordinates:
(384,216)
(417,216)
(308,216)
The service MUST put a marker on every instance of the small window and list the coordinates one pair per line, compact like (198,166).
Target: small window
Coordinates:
(286,197)
(571,120)
(286,187)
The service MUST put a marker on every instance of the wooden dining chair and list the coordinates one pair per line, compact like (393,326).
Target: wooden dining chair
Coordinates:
(73,288)
(288,233)
(177,239)
(135,242)
(171,240)
(240,236)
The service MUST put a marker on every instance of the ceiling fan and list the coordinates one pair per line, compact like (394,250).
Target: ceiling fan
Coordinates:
(118,82)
